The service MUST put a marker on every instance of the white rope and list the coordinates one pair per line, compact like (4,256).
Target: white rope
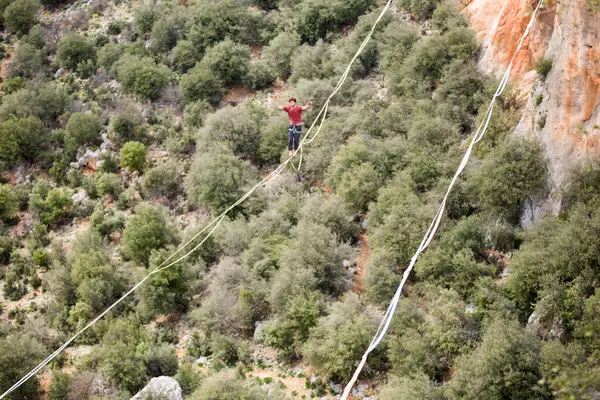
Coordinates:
(387,319)
(217,221)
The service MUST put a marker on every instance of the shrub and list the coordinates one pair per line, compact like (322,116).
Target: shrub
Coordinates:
(18,354)
(212,22)
(133,156)
(509,176)
(27,133)
(141,76)
(41,257)
(279,53)
(507,355)
(162,181)
(188,378)
(336,344)
(315,19)
(148,229)
(82,129)
(217,180)
(75,49)
(234,127)
(447,16)
(8,202)
(13,84)
(417,386)
(195,113)
(201,83)
(143,19)
(235,300)
(20,16)
(272,134)
(229,61)
(26,62)
(260,76)
(184,56)
(421,8)
(543,66)
(6,247)
(108,55)
(161,360)
(228,385)
(127,125)
(59,387)
(118,359)
(115,27)
(107,183)
(45,101)
(50,205)
(167,31)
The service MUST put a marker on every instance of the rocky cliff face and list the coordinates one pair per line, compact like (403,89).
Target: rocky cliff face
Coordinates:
(563,111)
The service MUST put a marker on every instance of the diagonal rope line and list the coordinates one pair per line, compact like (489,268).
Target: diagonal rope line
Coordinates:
(429,235)
(216,221)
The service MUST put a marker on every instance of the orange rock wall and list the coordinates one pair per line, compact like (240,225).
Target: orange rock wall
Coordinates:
(568,32)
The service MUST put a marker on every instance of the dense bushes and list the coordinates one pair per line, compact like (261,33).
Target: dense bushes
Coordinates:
(217,179)
(141,76)
(317,18)
(133,156)
(21,15)
(21,139)
(148,229)
(229,61)
(8,202)
(162,181)
(75,50)
(201,83)
(509,176)
(82,129)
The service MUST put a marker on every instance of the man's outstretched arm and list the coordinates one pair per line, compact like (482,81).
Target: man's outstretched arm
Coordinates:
(277,103)
(307,105)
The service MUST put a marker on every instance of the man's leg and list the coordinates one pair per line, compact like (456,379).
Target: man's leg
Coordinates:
(297,137)
(290,140)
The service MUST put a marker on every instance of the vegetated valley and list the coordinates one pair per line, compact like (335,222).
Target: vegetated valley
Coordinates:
(126,127)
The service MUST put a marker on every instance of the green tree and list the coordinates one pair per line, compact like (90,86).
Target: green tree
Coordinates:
(421,8)
(133,156)
(8,202)
(184,56)
(148,229)
(82,129)
(505,366)
(26,62)
(336,344)
(19,353)
(162,181)
(59,386)
(279,53)
(75,49)
(28,136)
(510,175)
(201,83)
(229,61)
(108,55)
(217,180)
(50,205)
(141,76)
(21,15)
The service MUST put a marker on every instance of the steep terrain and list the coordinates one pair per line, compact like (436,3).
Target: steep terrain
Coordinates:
(567,115)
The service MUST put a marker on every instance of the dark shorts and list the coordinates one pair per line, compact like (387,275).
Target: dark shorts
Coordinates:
(294,132)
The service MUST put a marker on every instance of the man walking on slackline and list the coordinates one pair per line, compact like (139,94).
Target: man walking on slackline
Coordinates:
(295,128)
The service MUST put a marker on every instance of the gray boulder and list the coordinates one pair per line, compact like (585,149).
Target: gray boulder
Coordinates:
(163,385)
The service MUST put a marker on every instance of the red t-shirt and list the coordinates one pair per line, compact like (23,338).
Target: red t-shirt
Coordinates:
(295,114)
